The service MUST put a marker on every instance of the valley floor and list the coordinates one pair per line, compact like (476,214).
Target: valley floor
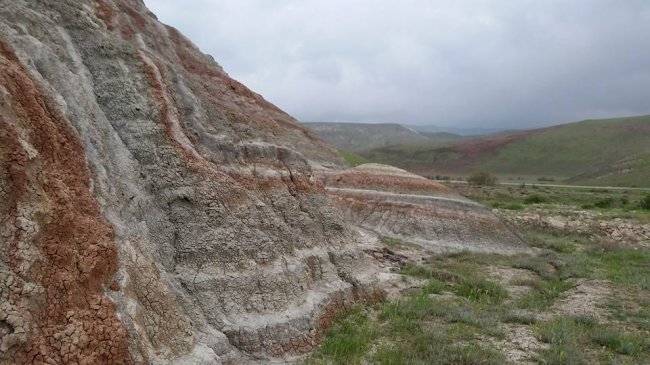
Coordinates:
(582,298)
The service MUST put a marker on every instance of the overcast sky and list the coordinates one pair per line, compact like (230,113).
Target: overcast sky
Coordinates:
(471,63)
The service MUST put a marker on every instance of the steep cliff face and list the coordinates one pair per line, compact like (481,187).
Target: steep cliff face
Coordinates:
(392,202)
(152,209)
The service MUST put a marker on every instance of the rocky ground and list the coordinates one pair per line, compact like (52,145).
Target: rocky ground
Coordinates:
(609,215)
(626,231)
(582,298)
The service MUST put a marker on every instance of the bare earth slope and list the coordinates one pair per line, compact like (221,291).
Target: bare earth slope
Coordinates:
(395,203)
(152,209)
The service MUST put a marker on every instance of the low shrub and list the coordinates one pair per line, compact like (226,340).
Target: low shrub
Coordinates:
(645,203)
(534,199)
(519,318)
(545,179)
(604,203)
(482,179)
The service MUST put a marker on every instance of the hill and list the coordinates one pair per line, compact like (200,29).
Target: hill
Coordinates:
(442,136)
(598,152)
(465,132)
(356,137)
(359,136)
(391,202)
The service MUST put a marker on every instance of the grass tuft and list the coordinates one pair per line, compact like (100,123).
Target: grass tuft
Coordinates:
(543,294)
(482,291)
(645,202)
(564,334)
(519,318)
(621,343)
(348,339)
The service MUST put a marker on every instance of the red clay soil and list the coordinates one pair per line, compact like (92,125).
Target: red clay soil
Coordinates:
(474,149)
(159,91)
(106,13)
(365,204)
(75,322)
(638,129)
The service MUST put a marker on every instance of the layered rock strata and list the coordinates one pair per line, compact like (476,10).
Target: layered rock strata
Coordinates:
(152,209)
(392,202)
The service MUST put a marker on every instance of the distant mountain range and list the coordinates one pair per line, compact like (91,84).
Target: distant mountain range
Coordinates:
(356,137)
(612,152)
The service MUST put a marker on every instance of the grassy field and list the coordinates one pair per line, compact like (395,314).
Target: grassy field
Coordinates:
(581,299)
(616,202)
(607,152)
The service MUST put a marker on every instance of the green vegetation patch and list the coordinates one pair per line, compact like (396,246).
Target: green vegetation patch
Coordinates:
(633,310)
(427,348)
(621,343)
(625,266)
(543,293)
(353,159)
(566,336)
(580,339)
(645,202)
(508,206)
(348,340)
(420,318)
(481,290)
(535,199)
(558,241)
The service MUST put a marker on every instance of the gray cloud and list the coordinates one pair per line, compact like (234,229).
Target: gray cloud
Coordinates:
(473,63)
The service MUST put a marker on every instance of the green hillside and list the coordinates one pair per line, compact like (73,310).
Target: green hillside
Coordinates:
(598,152)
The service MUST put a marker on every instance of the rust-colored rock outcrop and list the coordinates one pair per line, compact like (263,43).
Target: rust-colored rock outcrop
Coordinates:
(58,248)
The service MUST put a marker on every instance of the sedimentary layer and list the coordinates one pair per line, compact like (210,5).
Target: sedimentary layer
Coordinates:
(395,203)
(152,209)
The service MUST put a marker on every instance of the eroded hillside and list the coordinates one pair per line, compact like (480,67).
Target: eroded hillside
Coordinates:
(152,208)
(155,211)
